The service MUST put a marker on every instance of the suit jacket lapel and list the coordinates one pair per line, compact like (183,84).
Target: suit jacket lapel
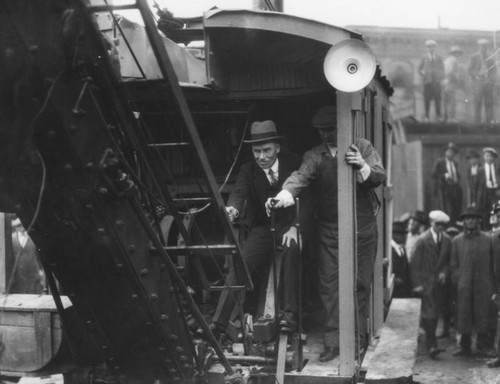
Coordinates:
(260,183)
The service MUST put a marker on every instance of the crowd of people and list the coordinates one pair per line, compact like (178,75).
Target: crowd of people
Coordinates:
(443,80)
(454,267)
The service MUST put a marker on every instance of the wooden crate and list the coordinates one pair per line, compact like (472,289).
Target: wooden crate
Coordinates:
(30,332)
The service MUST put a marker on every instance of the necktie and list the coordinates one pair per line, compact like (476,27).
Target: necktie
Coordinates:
(272,177)
(492,180)
(438,241)
(453,172)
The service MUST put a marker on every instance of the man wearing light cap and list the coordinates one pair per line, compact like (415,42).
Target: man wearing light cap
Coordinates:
(431,69)
(483,73)
(319,170)
(471,271)
(488,184)
(429,272)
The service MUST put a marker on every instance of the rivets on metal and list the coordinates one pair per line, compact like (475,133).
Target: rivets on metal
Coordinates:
(51,133)
(144,272)
(72,127)
(161,348)
(103,190)
(168,361)
(131,248)
(119,265)
(101,230)
(149,323)
(119,224)
(135,296)
(163,267)
(154,297)
(171,289)
(179,349)
(89,165)
(173,371)
(164,317)
(183,358)
(104,347)
(89,322)
(89,207)
(187,366)
(68,167)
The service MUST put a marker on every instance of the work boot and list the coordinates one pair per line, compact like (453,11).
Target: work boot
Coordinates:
(328,354)
(289,322)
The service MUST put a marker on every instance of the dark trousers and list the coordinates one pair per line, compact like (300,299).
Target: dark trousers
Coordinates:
(328,266)
(432,91)
(447,308)
(482,341)
(483,93)
(258,251)
(430,326)
(451,200)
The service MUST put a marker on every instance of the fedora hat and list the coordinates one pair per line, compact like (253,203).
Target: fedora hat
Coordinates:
(451,146)
(471,212)
(263,131)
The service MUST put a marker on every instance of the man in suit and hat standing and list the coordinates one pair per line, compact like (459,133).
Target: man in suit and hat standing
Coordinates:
(319,170)
(429,272)
(431,69)
(471,271)
(453,82)
(483,72)
(258,180)
(473,159)
(488,184)
(447,187)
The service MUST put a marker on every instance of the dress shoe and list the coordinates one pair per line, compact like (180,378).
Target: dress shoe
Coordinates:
(434,351)
(289,322)
(328,354)
(485,352)
(462,352)
(493,363)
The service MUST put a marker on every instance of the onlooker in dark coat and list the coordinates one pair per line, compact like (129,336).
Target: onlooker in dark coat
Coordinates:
(400,265)
(429,271)
(447,187)
(431,69)
(471,272)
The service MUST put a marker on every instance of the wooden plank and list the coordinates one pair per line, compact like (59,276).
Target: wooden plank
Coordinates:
(280,366)
(30,303)
(390,364)
(270,303)
(347,238)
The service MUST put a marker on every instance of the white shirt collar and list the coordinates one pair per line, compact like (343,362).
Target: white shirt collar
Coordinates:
(275,167)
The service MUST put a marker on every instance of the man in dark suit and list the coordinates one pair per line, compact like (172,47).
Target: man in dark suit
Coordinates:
(488,184)
(258,180)
(447,187)
(431,69)
(319,171)
(429,272)
(483,72)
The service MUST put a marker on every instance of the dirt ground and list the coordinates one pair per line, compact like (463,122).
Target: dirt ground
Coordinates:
(448,369)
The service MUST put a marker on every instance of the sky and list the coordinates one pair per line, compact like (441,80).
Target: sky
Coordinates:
(452,14)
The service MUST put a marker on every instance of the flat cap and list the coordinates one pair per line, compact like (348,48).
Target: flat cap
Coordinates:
(430,43)
(439,217)
(419,216)
(325,117)
(490,150)
(456,49)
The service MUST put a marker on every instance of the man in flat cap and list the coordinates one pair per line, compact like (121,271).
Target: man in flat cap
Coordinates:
(471,271)
(453,82)
(446,178)
(473,170)
(483,73)
(319,170)
(488,184)
(431,69)
(429,272)
(258,180)
(417,224)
